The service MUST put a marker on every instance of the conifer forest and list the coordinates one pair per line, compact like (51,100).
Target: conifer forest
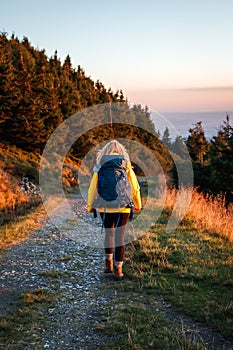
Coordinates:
(38,93)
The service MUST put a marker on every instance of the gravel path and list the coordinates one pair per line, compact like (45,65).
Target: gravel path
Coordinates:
(79,279)
(86,295)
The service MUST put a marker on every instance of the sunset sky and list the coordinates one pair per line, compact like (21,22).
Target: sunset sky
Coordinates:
(172,55)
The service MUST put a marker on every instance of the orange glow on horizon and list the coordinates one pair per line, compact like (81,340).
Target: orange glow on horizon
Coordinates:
(184,100)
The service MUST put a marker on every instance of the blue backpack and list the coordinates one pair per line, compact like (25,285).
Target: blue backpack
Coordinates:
(114,189)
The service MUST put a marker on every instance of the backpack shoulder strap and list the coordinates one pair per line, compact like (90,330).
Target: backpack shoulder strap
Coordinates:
(96,168)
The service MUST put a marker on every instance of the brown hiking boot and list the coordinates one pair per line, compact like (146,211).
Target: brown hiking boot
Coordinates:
(118,275)
(108,266)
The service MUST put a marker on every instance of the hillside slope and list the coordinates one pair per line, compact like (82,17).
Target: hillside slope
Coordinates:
(19,180)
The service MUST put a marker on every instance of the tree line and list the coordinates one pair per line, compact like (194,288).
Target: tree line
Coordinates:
(38,93)
(212,160)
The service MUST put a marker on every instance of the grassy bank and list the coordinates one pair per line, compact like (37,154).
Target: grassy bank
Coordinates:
(189,269)
(14,165)
(192,270)
(19,198)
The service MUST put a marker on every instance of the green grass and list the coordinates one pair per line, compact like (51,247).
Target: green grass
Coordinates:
(142,327)
(23,328)
(191,270)
(55,274)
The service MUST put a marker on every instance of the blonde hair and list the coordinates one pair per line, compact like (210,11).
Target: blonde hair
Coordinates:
(113,147)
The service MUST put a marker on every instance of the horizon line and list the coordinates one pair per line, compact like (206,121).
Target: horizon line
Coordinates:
(205,88)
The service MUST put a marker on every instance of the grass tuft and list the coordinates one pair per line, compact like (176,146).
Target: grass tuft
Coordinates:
(23,329)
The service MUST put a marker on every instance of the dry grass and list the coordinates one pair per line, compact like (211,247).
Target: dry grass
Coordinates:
(10,193)
(14,203)
(206,211)
(15,164)
(21,228)
(19,163)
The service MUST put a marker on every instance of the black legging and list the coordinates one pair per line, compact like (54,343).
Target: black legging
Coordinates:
(112,221)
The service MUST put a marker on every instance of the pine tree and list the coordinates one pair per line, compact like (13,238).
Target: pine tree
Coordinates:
(197,143)
(179,147)
(166,139)
(221,158)
(7,78)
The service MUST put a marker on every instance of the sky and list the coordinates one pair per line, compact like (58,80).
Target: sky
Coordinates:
(171,55)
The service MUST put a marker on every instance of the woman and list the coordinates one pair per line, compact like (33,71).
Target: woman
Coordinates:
(114,219)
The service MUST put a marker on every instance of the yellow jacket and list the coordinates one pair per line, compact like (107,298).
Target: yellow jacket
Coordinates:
(92,193)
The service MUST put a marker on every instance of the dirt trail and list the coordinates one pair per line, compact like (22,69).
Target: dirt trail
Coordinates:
(85,295)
